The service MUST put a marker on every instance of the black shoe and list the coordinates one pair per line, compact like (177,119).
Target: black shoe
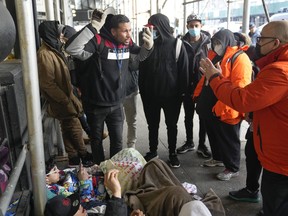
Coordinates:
(150,155)
(74,162)
(245,195)
(87,160)
(203,151)
(260,213)
(173,160)
(186,147)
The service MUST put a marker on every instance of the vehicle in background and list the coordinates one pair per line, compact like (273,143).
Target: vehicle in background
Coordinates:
(275,17)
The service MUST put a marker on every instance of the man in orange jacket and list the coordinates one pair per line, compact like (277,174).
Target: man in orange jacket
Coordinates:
(267,98)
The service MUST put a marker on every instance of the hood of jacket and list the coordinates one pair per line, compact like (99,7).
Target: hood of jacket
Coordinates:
(162,24)
(48,31)
(226,39)
(105,31)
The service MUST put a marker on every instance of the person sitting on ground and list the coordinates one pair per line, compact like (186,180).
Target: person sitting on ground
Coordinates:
(67,182)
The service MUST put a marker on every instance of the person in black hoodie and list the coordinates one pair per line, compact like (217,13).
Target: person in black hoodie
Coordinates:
(162,82)
(197,42)
(104,68)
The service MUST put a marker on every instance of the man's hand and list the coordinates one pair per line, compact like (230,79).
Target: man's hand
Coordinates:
(148,39)
(208,69)
(112,183)
(137,213)
(82,173)
(98,17)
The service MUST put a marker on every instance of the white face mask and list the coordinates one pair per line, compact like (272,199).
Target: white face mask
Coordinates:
(219,50)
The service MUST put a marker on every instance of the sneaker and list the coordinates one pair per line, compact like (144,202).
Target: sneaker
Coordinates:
(150,155)
(245,195)
(213,163)
(73,162)
(87,160)
(227,175)
(203,151)
(185,148)
(173,160)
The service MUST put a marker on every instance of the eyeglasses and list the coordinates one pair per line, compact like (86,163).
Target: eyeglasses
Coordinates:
(260,38)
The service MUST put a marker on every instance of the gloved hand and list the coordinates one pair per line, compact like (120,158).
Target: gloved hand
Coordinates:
(99,16)
(148,39)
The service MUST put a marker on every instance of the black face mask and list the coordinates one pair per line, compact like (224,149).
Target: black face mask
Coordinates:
(258,51)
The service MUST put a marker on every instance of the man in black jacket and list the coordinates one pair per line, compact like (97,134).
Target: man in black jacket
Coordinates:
(162,82)
(197,43)
(105,59)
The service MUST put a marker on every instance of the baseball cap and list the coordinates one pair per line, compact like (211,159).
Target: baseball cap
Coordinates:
(62,206)
(193,17)
(251,25)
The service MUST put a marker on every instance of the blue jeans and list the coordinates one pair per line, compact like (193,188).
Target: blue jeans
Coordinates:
(113,116)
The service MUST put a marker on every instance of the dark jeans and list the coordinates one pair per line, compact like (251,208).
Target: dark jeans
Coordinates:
(274,189)
(224,142)
(152,109)
(113,117)
(189,109)
(253,165)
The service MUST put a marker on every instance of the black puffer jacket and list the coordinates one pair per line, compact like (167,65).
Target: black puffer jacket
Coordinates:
(195,56)
(160,76)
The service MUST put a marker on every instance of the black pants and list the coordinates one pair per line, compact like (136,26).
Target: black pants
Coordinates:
(189,109)
(253,165)
(152,109)
(274,189)
(113,116)
(224,142)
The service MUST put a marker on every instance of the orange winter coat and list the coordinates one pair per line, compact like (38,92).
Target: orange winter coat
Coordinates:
(267,98)
(240,76)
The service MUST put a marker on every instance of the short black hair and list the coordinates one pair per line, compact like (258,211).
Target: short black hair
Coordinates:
(117,19)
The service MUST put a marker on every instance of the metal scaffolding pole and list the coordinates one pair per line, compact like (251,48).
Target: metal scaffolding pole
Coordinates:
(31,85)
(246,16)
(49,10)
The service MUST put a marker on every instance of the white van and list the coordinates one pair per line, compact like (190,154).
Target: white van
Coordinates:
(275,17)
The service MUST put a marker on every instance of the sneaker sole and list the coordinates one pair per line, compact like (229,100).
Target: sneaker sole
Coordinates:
(251,200)
(203,154)
(174,166)
(182,152)
(214,165)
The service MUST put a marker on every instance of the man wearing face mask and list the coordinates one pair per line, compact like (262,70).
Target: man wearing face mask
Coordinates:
(162,81)
(221,121)
(197,43)
(267,98)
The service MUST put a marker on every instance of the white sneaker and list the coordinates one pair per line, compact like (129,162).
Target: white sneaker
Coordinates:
(213,163)
(226,175)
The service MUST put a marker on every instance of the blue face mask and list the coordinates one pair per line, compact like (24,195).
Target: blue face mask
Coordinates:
(155,34)
(194,32)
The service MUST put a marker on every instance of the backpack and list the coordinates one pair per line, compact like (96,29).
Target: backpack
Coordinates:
(255,69)
(178,48)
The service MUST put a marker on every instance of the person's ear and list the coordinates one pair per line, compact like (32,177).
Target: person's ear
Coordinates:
(187,26)
(277,43)
(113,31)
